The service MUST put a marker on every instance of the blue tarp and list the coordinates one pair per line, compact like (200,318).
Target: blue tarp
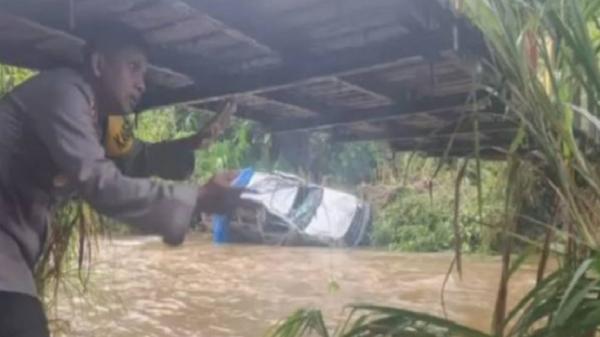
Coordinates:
(221,222)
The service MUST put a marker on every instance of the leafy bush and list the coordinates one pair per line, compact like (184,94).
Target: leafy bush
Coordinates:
(419,219)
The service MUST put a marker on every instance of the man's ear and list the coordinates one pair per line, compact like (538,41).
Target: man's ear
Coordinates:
(97,63)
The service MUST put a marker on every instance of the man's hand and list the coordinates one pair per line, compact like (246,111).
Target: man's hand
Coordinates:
(211,130)
(217,196)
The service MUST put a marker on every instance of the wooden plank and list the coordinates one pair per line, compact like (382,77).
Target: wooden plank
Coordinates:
(276,107)
(61,48)
(90,9)
(309,68)
(153,14)
(495,139)
(365,24)
(494,153)
(357,39)
(356,90)
(205,44)
(331,96)
(275,29)
(411,133)
(175,32)
(398,110)
(280,6)
(297,96)
(327,12)
(260,109)
(157,13)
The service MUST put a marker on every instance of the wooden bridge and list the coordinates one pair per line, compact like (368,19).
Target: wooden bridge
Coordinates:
(393,70)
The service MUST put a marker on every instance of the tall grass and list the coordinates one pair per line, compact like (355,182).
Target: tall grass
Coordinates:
(66,261)
(544,69)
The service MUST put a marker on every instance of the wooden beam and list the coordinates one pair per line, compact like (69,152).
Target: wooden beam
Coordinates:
(491,153)
(441,144)
(258,108)
(326,97)
(465,129)
(259,103)
(399,110)
(355,90)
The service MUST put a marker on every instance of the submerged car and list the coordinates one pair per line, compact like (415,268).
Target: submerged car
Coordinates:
(286,210)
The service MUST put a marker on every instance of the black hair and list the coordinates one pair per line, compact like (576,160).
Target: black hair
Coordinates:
(109,37)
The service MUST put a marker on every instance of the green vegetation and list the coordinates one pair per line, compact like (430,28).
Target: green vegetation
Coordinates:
(233,150)
(11,77)
(420,215)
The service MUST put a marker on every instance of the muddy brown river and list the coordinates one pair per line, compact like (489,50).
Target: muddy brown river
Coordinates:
(142,288)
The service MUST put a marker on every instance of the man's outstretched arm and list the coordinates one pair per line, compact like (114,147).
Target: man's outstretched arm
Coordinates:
(173,159)
(64,122)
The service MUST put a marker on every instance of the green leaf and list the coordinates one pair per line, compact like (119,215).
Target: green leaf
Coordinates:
(574,281)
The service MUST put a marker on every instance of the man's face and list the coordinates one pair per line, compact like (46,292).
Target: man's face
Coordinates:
(121,75)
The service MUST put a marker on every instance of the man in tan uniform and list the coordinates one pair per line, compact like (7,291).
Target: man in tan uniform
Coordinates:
(52,132)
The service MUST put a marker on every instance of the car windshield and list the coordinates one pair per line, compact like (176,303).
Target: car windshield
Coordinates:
(305,205)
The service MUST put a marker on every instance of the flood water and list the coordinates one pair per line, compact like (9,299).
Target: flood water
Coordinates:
(142,288)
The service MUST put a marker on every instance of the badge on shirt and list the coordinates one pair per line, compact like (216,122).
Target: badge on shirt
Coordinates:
(119,136)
